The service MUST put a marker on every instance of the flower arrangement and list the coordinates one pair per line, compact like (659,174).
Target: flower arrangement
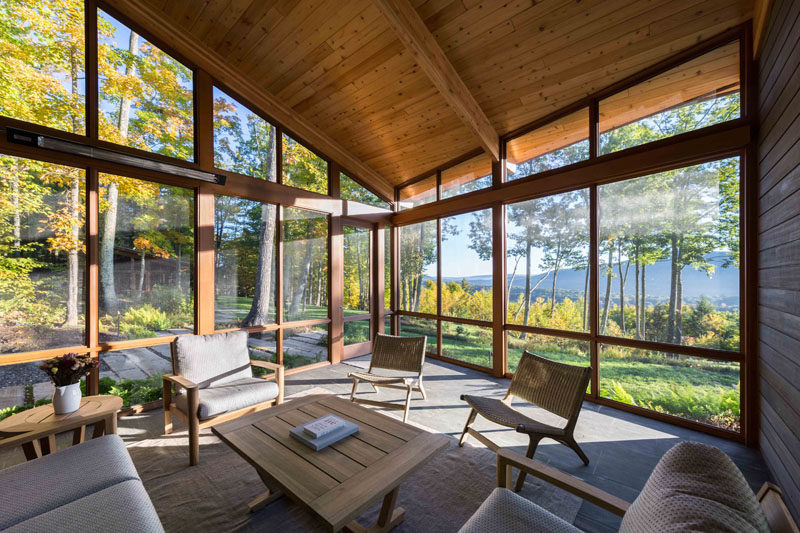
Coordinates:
(68,369)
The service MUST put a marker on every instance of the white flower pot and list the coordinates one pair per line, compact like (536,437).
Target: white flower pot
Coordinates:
(67,399)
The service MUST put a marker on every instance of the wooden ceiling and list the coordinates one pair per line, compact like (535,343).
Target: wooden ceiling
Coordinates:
(340,66)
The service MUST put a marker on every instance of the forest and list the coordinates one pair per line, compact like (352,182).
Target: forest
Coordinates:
(668,223)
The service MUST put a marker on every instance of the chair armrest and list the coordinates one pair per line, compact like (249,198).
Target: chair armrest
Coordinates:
(179,381)
(265,364)
(778,517)
(279,370)
(506,460)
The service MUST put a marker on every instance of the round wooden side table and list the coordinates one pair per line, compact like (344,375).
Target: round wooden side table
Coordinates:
(36,429)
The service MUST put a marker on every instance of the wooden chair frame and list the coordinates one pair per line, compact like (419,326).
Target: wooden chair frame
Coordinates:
(408,384)
(778,517)
(536,434)
(192,420)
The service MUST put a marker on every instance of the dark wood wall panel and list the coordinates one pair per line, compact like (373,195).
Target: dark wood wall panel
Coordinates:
(779,248)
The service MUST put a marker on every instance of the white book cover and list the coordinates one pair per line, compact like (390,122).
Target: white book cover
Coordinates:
(323,426)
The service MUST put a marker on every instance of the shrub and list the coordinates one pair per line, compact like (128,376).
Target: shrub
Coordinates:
(143,321)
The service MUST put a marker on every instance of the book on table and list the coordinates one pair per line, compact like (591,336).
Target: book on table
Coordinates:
(330,428)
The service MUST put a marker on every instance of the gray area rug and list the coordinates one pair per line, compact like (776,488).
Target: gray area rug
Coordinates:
(213,496)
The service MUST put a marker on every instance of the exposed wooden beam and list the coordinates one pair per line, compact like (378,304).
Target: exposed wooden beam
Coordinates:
(206,59)
(412,32)
(761,10)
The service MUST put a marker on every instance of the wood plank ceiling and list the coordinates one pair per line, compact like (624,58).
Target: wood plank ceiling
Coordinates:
(341,67)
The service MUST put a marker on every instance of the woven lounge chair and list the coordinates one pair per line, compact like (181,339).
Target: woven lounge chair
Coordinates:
(405,354)
(556,387)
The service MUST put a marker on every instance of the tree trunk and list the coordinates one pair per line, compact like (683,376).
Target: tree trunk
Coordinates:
(361,298)
(636,298)
(72,257)
(526,298)
(262,297)
(604,321)
(107,283)
(553,292)
(673,287)
(107,237)
(74,213)
(142,271)
(644,304)
(679,300)
(300,290)
(586,299)
(622,280)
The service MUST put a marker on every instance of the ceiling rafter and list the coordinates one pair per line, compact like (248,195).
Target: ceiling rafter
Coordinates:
(196,51)
(412,32)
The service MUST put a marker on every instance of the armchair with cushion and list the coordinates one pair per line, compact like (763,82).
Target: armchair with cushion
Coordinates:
(694,487)
(213,381)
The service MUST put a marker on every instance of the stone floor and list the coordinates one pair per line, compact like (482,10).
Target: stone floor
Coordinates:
(623,448)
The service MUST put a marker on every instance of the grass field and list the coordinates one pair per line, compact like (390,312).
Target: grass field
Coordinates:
(702,390)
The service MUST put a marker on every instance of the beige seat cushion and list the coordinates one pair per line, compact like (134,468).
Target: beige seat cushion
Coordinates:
(230,396)
(695,487)
(506,512)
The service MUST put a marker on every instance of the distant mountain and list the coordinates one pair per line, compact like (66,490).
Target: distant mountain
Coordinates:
(722,287)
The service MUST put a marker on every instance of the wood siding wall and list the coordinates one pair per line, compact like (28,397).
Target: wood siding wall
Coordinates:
(779,248)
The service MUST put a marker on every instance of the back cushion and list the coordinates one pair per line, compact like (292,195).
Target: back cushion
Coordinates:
(214,359)
(695,487)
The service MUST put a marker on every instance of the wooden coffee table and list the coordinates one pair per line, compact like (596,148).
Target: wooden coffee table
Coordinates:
(340,482)
(36,429)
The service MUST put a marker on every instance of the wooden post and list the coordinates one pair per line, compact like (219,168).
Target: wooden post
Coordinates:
(336,284)
(204,261)
(500,355)
(379,286)
(92,277)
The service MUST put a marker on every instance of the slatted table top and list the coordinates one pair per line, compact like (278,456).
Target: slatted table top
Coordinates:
(43,420)
(340,482)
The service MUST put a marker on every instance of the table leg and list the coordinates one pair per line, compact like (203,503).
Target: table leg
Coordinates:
(99,429)
(32,450)
(259,502)
(111,424)
(48,444)
(389,517)
(78,435)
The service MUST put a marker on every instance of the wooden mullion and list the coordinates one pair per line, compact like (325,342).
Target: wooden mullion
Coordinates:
(438,276)
(394,297)
(204,121)
(467,321)
(90,69)
(748,224)
(594,306)
(692,351)
(594,128)
(92,272)
(536,330)
(334,180)
(417,315)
